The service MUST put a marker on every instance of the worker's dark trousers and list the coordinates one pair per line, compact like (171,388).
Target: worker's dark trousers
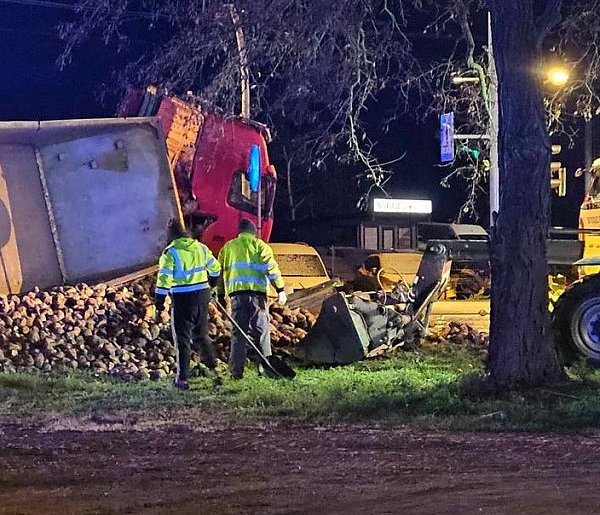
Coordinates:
(251,313)
(189,325)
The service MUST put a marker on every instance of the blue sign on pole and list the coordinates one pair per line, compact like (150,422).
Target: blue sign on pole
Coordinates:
(254,168)
(447,137)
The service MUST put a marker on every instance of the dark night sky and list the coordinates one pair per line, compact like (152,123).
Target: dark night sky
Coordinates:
(33,88)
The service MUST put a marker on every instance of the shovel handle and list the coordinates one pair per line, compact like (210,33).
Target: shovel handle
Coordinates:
(247,337)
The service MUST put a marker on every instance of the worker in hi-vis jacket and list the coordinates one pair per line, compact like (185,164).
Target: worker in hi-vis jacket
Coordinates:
(247,267)
(187,270)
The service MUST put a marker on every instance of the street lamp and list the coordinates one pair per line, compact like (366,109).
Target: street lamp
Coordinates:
(459,79)
(558,76)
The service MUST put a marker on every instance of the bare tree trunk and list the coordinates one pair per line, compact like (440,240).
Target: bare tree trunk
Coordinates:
(292,204)
(521,347)
(290,192)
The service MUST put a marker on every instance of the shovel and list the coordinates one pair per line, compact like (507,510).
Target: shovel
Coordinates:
(276,365)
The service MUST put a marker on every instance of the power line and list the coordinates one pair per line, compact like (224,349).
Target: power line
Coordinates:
(60,5)
(39,3)
(25,31)
(135,40)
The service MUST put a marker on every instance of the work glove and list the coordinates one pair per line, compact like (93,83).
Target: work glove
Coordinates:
(157,316)
(218,297)
(159,302)
(213,281)
(281,298)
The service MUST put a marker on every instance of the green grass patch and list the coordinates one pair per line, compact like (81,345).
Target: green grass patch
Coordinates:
(32,394)
(438,388)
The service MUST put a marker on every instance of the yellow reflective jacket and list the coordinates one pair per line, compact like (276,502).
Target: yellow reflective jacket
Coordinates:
(185,266)
(248,265)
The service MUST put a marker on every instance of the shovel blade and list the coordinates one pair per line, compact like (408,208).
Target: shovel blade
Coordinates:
(281,367)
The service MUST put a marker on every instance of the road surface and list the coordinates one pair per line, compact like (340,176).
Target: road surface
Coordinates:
(189,463)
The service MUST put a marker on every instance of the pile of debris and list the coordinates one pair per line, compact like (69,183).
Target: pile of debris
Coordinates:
(471,284)
(459,333)
(288,329)
(110,330)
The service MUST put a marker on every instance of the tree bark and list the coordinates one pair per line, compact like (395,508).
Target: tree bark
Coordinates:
(521,351)
(291,203)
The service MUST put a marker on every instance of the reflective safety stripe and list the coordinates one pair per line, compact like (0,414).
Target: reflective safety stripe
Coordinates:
(272,277)
(212,263)
(247,261)
(178,265)
(247,279)
(187,273)
(183,267)
(179,272)
(190,287)
(253,266)
(182,288)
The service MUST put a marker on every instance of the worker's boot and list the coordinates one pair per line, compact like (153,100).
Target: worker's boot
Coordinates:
(216,378)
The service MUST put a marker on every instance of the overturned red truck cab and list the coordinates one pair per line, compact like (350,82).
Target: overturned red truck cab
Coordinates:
(209,155)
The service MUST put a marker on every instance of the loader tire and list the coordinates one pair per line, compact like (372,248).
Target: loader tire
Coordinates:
(576,321)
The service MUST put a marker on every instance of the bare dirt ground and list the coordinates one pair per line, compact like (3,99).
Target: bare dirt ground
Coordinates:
(186,462)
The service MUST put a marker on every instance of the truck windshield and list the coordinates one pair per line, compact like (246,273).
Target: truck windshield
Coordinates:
(242,197)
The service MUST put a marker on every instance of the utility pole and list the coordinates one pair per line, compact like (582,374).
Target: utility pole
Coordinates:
(589,151)
(491,98)
(493,129)
(245,88)
(243,55)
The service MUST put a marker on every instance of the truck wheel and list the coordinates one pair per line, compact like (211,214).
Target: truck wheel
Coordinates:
(576,321)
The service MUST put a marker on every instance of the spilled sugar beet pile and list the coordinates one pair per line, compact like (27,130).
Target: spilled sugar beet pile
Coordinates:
(459,333)
(110,330)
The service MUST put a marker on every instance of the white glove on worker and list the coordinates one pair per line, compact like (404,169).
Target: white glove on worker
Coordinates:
(281,298)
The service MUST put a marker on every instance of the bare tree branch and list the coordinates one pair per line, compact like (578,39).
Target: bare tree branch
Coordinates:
(316,66)
(549,19)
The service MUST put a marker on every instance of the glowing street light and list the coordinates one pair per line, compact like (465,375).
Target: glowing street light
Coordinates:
(558,76)
(457,79)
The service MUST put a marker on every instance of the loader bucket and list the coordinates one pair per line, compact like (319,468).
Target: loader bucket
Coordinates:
(339,335)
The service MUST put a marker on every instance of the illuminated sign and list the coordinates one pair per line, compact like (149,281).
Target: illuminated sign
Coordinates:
(447,137)
(401,205)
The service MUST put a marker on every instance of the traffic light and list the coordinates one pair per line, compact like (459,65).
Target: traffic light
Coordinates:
(558,174)
(474,153)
